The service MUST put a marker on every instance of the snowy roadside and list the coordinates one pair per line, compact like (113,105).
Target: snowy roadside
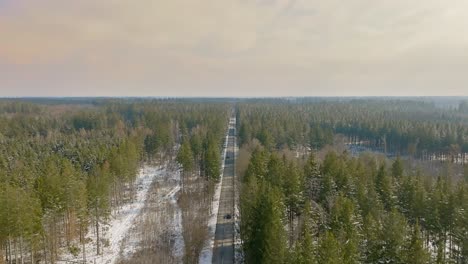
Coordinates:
(238,253)
(206,254)
(120,223)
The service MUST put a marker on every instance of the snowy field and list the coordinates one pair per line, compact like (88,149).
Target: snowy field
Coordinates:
(159,223)
(120,223)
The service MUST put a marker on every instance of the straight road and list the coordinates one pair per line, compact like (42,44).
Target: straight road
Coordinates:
(223,251)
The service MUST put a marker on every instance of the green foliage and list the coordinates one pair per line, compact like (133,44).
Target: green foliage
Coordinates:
(305,252)
(258,166)
(212,160)
(397,168)
(383,185)
(63,166)
(293,189)
(329,250)
(20,213)
(363,215)
(73,161)
(185,157)
(415,251)
(344,223)
(262,228)
(395,126)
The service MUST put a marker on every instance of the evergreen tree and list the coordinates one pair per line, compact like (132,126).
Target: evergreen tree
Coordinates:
(383,186)
(265,240)
(343,224)
(276,171)
(304,248)
(212,161)
(185,157)
(329,250)
(312,178)
(392,238)
(151,145)
(397,168)
(293,195)
(415,251)
(258,166)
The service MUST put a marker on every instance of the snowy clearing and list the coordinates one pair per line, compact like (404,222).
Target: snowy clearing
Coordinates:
(120,223)
(159,226)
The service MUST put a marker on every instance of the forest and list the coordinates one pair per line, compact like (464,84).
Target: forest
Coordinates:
(67,166)
(332,206)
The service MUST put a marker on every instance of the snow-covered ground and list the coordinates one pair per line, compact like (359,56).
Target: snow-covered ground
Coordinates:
(165,193)
(238,256)
(120,223)
(206,254)
(177,227)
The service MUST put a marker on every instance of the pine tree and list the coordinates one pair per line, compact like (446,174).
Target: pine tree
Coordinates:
(98,199)
(343,224)
(197,148)
(415,251)
(276,174)
(397,168)
(293,193)
(312,178)
(151,145)
(383,186)
(304,248)
(264,237)
(392,238)
(258,166)
(371,247)
(212,161)
(185,157)
(329,250)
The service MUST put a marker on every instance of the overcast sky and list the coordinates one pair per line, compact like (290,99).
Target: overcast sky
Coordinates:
(233,47)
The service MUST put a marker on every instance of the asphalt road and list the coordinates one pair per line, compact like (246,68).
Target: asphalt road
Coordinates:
(223,251)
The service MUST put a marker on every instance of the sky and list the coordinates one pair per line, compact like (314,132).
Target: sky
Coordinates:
(247,48)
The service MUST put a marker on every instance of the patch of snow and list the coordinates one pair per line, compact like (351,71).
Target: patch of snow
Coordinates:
(167,191)
(120,223)
(238,254)
(177,226)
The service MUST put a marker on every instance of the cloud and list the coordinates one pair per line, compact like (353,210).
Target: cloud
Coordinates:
(111,45)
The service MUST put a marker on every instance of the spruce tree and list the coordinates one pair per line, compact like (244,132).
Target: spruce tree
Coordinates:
(414,251)
(304,252)
(383,185)
(329,249)
(397,168)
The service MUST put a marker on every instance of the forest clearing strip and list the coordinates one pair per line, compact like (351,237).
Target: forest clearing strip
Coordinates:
(121,221)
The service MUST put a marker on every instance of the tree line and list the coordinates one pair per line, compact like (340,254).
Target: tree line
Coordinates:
(398,126)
